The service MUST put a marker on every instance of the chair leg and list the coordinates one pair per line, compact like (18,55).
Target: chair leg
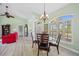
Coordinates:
(58,49)
(38,53)
(32,45)
(35,43)
(47,53)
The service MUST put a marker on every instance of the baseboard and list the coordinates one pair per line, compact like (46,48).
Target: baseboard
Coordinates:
(75,51)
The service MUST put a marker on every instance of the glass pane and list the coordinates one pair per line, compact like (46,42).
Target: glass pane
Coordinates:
(65,28)
(68,35)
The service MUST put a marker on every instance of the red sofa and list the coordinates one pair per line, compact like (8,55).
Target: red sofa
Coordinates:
(10,38)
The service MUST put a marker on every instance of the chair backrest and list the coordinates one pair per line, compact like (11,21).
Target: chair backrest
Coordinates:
(39,37)
(45,38)
(32,36)
(58,38)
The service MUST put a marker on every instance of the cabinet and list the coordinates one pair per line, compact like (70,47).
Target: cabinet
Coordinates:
(5,29)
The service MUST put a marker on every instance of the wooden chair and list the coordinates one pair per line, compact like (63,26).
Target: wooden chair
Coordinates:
(43,42)
(33,40)
(57,42)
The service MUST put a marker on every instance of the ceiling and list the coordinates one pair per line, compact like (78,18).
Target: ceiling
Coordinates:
(29,10)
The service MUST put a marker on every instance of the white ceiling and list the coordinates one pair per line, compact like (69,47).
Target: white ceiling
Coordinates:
(27,10)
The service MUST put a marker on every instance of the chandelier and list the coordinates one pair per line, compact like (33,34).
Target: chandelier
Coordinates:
(44,16)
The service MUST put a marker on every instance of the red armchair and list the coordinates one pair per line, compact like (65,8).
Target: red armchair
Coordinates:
(10,38)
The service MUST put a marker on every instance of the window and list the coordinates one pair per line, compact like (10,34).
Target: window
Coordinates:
(53,30)
(62,24)
(65,27)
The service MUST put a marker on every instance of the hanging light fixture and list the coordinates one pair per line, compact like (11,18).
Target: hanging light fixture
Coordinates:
(44,16)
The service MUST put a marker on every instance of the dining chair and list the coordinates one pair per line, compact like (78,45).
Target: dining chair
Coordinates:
(56,44)
(34,41)
(43,42)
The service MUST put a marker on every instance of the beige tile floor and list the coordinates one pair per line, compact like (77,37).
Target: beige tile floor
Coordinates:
(23,47)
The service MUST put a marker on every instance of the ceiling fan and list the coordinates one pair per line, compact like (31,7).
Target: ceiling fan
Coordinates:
(7,14)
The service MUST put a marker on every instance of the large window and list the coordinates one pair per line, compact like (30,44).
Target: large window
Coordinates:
(62,24)
(65,27)
(53,30)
